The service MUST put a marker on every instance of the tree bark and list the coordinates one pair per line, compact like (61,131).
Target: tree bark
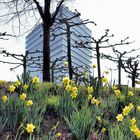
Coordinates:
(46,52)
(119,72)
(98,61)
(133,78)
(69,52)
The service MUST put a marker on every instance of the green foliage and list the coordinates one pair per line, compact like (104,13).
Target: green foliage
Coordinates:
(14,111)
(52,104)
(78,113)
(119,132)
(81,123)
(66,105)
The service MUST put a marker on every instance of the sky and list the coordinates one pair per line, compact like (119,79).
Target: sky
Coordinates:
(120,16)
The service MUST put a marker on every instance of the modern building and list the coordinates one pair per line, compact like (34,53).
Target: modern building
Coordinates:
(81,57)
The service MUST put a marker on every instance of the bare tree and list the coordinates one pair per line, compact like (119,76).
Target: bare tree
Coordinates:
(101,43)
(55,66)
(5,35)
(67,30)
(20,10)
(23,60)
(120,59)
(132,68)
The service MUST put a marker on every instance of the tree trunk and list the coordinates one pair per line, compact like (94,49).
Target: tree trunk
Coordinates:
(69,52)
(119,72)
(46,52)
(25,65)
(98,62)
(133,79)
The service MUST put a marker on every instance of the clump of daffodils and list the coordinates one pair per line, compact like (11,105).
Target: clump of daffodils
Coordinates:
(17,83)
(74,92)
(35,79)
(130,93)
(70,87)
(89,89)
(95,101)
(134,128)
(125,112)
(117,92)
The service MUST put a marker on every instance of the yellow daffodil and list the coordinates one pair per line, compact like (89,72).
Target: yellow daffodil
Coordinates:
(58,134)
(117,92)
(98,118)
(30,128)
(66,80)
(89,96)
(114,87)
(17,83)
(138,108)
(2,82)
(68,88)
(94,66)
(95,101)
(133,121)
(133,128)
(130,93)
(74,89)
(11,88)
(29,103)
(35,79)
(104,80)
(131,106)
(4,98)
(23,96)
(103,130)
(25,86)
(120,117)
(90,89)
(126,110)
(73,95)
(66,64)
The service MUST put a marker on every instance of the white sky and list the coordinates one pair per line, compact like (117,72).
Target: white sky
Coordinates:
(120,16)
